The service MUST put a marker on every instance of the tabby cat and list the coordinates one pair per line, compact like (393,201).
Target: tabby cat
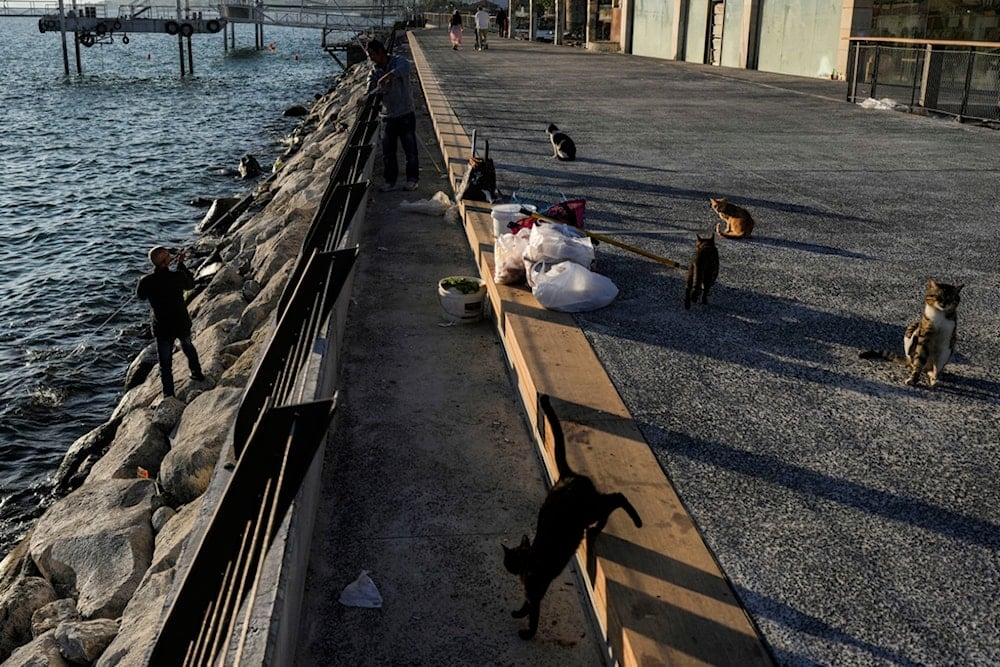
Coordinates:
(702,272)
(929,343)
(572,508)
(739,222)
(563,147)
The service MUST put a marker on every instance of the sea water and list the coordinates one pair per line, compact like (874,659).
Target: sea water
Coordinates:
(94,170)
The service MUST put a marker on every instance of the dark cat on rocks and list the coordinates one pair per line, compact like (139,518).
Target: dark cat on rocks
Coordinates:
(703,271)
(928,343)
(573,508)
(563,147)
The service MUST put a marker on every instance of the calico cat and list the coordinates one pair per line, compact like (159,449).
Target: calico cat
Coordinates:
(739,223)
(929,343)
(702,272)
(572,508)
(563,147)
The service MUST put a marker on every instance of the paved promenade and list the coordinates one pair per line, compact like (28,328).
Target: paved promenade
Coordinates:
(857,519)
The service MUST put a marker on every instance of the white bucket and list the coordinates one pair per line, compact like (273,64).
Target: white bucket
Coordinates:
(503,214)
(458,307)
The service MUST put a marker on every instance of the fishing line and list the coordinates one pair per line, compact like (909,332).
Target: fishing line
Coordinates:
(112,316)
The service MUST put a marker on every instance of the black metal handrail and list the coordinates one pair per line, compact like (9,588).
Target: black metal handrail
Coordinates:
(295,335)
(960,79)
(225,567)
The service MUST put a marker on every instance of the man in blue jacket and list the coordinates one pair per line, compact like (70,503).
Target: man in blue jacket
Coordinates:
(165,291)
(390,77)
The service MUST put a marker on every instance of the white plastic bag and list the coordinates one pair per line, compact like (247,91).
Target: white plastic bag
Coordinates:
(437,205)
(361,593)
(570,287)
(508,257)
(553,242)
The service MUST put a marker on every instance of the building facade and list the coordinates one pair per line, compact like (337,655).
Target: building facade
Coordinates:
(798,37)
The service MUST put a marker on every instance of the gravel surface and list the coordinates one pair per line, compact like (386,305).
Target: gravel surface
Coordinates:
(856,517)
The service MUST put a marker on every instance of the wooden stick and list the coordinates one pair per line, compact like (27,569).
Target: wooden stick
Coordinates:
(601,237)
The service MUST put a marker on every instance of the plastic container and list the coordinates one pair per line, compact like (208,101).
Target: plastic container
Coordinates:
(460,307)
(503,214)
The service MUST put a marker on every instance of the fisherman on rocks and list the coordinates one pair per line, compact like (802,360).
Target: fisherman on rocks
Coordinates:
(170,320)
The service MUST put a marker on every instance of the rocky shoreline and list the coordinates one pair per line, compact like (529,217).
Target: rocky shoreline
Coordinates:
(87,585)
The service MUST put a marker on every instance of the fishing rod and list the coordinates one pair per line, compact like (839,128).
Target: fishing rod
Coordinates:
(606,239)
(174,254)
(112,316)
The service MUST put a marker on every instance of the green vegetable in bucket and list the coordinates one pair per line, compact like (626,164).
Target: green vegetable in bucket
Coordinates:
(463,285)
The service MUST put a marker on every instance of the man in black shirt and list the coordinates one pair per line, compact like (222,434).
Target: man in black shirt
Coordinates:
(165,291)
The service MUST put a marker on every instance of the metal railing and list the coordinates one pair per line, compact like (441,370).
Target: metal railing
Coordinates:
(960,79)
(277,430)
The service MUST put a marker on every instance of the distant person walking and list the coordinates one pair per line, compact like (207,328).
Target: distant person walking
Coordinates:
(482,26)
(456,30)
(164,289)
(390,77)
(502,22)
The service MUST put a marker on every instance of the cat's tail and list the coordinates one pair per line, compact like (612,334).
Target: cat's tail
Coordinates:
(885,355)
(559,440)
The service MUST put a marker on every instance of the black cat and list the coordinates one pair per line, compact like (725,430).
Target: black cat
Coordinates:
(572,508)
(703,271)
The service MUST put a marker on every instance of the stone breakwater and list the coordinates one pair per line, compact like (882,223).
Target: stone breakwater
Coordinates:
(87,585)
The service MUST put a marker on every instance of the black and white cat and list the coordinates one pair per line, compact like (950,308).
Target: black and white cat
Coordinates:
(573,508)
(563,147)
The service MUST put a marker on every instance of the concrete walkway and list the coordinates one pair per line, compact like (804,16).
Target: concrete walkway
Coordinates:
(431,469)
(856,518)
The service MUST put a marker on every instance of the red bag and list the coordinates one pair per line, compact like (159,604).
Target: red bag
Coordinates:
(569,212)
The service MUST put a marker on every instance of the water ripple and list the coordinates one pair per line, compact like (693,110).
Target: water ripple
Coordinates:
(97,168)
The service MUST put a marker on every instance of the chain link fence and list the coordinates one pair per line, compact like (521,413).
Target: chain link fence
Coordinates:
(961,81)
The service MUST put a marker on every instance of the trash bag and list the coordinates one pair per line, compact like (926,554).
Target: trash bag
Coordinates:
(569,211)
(361,593)
(551,242)
(569,287)
(508,258)
(437,205)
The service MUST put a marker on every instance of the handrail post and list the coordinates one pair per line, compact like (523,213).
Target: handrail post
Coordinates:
(968,84)
(878,52)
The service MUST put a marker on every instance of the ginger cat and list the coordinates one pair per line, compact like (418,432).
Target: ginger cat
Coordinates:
(739,222)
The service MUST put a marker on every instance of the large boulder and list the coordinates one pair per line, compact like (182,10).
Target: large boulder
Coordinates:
(141,366)
(201,433)
(167,413)
(217,309)
(42,652)
(139,443)
(17,605)
(52,615)
(82,453)
(83,642)
(173,536)
(139,623)
(96,543)
(16,563)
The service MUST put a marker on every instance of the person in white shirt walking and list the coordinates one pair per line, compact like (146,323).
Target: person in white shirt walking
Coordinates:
(482,26)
